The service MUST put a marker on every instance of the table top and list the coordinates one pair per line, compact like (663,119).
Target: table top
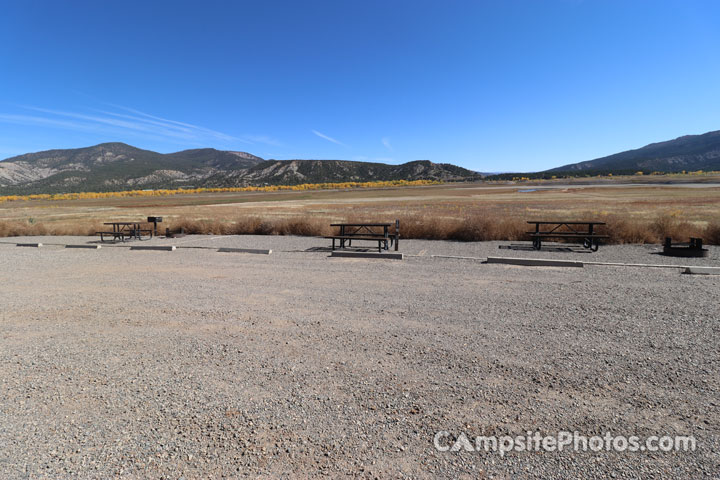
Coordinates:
(122,225)
(361,224)
(560,222)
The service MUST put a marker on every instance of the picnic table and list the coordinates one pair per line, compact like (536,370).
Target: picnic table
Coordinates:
(376,232)
(122,230)
(566,230)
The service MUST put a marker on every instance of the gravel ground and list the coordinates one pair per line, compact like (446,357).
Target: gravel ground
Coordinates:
(199,364)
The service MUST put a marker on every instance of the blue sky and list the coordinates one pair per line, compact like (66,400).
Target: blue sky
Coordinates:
(489,85)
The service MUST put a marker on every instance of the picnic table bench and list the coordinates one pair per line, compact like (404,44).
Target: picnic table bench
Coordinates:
(566,230)
(122,230)
(374,232)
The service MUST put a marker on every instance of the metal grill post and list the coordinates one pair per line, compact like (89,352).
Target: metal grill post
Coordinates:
(397,234)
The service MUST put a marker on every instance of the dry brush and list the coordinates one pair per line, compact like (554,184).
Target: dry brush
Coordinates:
(471,228)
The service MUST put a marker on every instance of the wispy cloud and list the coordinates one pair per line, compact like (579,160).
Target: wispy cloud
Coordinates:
(126,121)
(329,139)
(172,124)
(39,121)
(386,141)
(85,127)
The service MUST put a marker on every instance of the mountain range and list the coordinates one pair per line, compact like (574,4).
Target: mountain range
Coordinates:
(117,166)
(688,153)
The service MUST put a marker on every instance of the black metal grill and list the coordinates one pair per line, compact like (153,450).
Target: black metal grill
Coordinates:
(154,221)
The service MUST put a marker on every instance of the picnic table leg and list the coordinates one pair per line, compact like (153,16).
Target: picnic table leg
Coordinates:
(591,242)
(537,244)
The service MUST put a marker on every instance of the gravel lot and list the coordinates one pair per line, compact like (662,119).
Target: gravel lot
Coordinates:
(199,364)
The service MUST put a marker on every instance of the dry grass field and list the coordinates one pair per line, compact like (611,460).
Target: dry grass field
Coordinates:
(635,213)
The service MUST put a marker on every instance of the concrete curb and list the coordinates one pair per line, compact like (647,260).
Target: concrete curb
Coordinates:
(170,248)
(245,250)
(389,256)
(455,257)
(90,247)
(702,270)
(643,265)
(534,262)
(35,245)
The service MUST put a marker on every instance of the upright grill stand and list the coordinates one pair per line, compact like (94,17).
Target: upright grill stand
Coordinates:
(154,221)
(397,234)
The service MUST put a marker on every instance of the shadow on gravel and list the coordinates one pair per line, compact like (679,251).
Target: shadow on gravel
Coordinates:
(314,249)
(545,248)
(328,249)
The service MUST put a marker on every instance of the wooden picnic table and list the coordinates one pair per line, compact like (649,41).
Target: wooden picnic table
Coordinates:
(566,230)
(366,232)
(122,230)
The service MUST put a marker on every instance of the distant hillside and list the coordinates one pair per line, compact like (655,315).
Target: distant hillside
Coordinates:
(117,166)
(292,172)
(689,153)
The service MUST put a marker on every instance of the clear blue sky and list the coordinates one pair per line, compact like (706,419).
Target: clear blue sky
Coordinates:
(489,85)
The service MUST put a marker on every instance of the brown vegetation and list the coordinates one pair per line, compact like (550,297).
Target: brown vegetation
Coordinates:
(473,228)
(460,212)
(254,225)
(32,228)
(711,234)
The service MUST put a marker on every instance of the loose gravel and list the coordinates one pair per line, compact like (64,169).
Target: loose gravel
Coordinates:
(199,364)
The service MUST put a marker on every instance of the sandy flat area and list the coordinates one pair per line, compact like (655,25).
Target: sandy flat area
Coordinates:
(199,364)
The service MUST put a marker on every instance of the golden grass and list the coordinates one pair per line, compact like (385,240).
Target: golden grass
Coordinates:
(462,212)
(194,191)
